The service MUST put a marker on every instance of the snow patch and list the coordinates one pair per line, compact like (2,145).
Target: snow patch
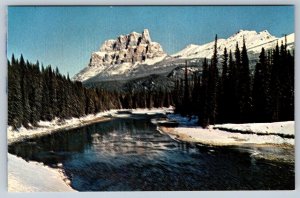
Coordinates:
(282,128)
(222,138)
(46,127)
(23,177)
(154,111)
(231,134)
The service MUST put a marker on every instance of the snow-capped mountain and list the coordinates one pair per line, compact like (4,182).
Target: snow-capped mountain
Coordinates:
(121,55)
(134,55)
(254,42)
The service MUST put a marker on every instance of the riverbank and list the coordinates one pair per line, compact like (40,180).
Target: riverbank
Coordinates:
(215,137)
(277,133)
(56,125)
(30,176)
(48,127)
(34,177)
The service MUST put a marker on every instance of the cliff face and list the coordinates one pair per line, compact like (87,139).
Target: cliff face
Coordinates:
(122,55)
(130,48)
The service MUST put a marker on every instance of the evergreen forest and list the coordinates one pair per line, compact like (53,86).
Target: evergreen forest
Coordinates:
(225,90)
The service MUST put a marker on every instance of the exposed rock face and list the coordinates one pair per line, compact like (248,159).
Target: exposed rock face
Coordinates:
(130,48)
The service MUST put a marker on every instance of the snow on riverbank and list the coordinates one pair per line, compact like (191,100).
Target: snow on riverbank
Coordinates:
(231,134)
(34,177)
(215,137)
(47,127)
(279,128)
(153,111)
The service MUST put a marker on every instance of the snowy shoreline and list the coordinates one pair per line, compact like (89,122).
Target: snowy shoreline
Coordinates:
(48,127)
(276,133)
(30,176)
(53,126)
(22,175)
(188,131)
(282,129)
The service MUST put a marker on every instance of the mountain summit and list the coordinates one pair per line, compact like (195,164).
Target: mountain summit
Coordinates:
(118,56)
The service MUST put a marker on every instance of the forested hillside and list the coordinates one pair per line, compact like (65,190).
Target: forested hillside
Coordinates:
(234,94)
(41,93)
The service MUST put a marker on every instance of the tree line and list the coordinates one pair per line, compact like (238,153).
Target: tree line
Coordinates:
(235,94)
(39,93)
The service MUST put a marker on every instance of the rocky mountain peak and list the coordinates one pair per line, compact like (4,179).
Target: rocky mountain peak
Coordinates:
(130,48)
(146,35)
(122,55)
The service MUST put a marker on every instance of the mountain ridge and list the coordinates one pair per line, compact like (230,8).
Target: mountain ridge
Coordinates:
(253,40)
(109,67)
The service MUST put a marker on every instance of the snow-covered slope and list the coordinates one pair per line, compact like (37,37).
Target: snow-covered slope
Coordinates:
(254,42)
(136,55)
(34,177)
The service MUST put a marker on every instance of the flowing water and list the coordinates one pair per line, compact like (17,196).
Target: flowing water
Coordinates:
(129,154)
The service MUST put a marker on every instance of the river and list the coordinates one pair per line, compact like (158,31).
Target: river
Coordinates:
(129,154)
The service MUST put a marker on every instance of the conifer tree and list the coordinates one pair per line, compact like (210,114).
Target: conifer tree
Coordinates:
(25,97)
(275,84)
(223,91)
(186,101)
(15,106)
(203,109)
(233,113)
(245,99)
(261,89)
(212,86)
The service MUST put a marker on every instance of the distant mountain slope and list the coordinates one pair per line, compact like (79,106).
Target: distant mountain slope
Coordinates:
(254,42)
(135,56)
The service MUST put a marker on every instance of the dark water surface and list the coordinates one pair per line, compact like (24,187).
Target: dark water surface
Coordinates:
(130,154)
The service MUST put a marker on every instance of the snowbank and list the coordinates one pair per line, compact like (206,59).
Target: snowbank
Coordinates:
(153,111)
(47,127)
(231,134)
(275,128)
(34,177)
(55,125)
(215,137)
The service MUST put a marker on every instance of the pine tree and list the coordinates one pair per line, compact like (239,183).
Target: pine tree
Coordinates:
(286,79)
(261,90)
(203,109)
(245,99)
(290,87)
(223,92)
(275,84)
(24,90)
(15,106)
(186,95)
(213,86)
(233,113)
(13,60)
(196,91)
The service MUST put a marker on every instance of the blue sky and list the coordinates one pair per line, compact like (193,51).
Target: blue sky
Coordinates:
(66,36)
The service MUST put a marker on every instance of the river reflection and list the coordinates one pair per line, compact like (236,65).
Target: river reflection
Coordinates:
(130,154)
